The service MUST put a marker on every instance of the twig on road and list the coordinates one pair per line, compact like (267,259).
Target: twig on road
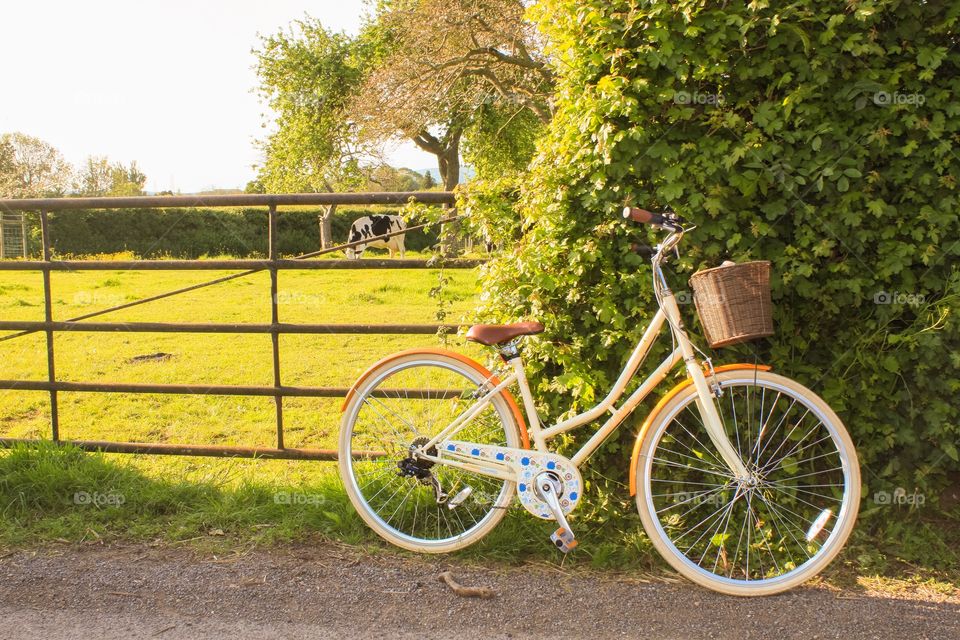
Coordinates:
(465,592)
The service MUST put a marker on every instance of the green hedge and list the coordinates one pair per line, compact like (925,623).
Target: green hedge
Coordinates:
(192,233)
(818,135)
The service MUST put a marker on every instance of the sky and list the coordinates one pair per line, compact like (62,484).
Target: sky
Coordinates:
(169,84)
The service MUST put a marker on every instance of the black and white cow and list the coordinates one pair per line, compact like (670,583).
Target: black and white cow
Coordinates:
(371,227)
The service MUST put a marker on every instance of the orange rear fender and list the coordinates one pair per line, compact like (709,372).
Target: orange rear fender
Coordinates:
(473,364)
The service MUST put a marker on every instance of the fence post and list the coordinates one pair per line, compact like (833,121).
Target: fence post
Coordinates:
(48,315)
(274,322)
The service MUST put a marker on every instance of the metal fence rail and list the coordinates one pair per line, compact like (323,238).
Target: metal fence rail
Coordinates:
(274,264)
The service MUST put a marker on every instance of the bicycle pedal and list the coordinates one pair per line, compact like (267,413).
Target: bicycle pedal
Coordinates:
(564,540)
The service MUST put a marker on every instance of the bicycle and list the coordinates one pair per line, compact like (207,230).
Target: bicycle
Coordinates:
(747,483)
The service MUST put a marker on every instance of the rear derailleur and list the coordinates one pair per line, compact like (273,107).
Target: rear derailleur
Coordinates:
(414,467)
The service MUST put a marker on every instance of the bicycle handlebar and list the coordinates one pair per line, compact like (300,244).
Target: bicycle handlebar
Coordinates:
(668,220)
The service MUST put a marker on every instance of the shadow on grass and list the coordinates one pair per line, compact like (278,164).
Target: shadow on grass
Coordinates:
(60,493)
(52,493)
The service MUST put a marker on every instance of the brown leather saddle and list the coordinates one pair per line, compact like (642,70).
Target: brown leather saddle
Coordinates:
(493,334)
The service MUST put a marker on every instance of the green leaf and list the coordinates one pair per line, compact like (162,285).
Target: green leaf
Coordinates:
(789,465)
(951,450)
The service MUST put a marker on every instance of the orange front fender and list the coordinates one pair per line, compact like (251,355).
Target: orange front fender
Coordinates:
(635,458)
(479,368)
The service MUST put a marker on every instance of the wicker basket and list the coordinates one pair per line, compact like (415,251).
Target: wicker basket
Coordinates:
(733,302)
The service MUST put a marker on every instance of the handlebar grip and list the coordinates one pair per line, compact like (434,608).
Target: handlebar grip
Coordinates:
(669,220)
(641,215)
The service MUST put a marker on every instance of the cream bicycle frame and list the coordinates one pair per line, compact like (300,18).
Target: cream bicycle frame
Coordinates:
(669,311)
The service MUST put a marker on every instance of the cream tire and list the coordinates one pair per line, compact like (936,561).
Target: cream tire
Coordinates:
(705,577)
(404,365)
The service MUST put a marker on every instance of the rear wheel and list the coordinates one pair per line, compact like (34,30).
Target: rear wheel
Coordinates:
(411,502)
(766,534)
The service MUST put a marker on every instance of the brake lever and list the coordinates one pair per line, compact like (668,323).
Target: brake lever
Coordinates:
(643,250)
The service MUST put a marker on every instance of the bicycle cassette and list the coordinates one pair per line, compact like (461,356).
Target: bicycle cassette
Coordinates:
(525,465)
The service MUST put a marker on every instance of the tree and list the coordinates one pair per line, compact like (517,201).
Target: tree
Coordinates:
(7,169)
(445,61)
(308,76)
(93,178)
(387,178)
(126,180)
(422,70)
(427,182)
(502,140)
(98,177)
(34,168)
(255,186)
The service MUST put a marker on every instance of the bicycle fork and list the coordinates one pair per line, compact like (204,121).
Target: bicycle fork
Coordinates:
(712,421)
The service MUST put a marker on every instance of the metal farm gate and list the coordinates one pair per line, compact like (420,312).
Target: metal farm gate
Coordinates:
(13,209)
(13,235)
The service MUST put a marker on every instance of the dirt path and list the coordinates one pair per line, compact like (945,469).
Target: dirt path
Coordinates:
(335,592)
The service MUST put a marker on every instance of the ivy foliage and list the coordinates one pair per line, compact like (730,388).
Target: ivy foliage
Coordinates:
(821,136)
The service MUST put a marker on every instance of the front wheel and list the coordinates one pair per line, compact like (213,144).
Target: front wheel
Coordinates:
(765,534)
(398,407)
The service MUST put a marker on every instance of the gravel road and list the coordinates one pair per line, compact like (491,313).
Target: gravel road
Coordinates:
(330,591)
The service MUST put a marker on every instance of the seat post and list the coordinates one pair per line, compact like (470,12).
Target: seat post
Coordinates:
(512,356)
(509,350)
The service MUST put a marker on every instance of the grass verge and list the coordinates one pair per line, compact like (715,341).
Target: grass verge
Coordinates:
(51,494)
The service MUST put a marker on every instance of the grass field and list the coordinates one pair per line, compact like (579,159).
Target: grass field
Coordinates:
(234,503)
(358,296)
(175,499)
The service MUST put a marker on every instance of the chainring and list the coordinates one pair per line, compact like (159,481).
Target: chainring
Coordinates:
(526,465)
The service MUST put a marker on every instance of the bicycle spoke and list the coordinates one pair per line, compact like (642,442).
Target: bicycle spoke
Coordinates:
(670,463)
(774,463)
(748,530)
(696,459)
(401,489)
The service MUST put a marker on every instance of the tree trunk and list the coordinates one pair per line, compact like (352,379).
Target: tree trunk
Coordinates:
(447,151)
(326,226)
(449,161)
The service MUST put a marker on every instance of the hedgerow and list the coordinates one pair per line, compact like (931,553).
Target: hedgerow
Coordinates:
(818,135)
(192,233)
